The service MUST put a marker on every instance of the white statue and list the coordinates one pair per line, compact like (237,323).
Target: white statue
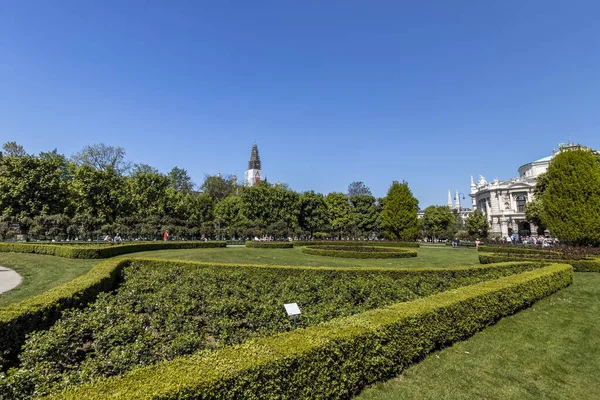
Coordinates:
(482,180)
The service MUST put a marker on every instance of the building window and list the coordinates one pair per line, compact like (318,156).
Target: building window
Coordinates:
(521,203)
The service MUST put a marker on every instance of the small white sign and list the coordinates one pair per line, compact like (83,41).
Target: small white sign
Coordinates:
(292,309)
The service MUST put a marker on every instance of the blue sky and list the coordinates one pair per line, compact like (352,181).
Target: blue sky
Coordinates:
(332,91)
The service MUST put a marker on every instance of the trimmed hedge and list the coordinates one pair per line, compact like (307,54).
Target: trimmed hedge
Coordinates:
(337,359)
(103,250)
(354,243)
(516,250)
(578,265)
(40,312)
(270,245)
(362,252)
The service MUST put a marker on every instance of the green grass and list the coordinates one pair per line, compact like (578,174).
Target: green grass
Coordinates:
(548,351)
(426,257)
(40,273)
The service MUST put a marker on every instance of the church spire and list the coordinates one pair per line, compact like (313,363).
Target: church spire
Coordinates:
(457,201)
(449,200)
(254,162)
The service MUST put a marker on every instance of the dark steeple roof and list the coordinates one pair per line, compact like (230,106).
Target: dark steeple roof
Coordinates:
(254,162)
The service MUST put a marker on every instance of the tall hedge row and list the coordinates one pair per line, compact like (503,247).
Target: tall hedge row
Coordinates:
(103,250)
(578,265)
(353,243)
(270,245)
(334,360)
(362,252)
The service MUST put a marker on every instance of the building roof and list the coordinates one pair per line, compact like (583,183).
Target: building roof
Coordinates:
(254,162)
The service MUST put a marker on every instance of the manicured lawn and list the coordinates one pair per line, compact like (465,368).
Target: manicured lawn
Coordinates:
(40,273)
(427,257)
(548,351)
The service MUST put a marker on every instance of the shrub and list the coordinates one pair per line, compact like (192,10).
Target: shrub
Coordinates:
(270,245)
(362,252)
(40,312)
(592,265)
(100,250)
(354,243)
(158,313)
(334,360)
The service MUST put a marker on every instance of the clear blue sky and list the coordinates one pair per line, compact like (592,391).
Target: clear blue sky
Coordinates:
(332,91)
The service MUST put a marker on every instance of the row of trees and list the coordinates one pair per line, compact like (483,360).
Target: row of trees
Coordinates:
(96,191)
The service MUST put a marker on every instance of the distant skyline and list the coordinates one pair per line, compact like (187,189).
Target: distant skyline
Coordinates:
(332,92)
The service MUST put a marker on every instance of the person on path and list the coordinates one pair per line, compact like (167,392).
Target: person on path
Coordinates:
(166,236)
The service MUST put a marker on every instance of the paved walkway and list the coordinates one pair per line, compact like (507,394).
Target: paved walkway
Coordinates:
(9,279)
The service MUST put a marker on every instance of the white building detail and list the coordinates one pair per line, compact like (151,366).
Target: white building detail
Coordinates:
(254,173)
(503,202)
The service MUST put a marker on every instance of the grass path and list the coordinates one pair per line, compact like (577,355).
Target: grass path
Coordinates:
(427,257)
(40,273)
(548,351)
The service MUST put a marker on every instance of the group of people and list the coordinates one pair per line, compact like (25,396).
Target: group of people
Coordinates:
(117,238)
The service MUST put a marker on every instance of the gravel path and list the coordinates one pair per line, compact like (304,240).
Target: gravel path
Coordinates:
(9,279)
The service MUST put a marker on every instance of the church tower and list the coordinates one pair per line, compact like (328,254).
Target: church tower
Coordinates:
(254,173)
(449,200)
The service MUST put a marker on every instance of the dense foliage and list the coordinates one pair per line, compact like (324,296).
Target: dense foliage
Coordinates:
(571,197)
(98,192)
(334,360)
(399,215)
(270,245)
(166,309)
(361,252)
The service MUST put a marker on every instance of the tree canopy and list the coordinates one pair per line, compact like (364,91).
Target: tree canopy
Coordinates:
(399,215)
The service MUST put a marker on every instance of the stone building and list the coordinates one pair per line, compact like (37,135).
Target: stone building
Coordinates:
(503,202)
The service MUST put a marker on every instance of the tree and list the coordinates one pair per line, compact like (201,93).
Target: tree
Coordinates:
(264,206)
(180,180)
(313,212)
(103,157)
(365,214)
(571,199)
(477,224)
(338,209)
(437,221)
(358,189)
(399,216)
(12,149)
(218,187)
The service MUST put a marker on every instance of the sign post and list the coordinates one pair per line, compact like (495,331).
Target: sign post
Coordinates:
(292,310)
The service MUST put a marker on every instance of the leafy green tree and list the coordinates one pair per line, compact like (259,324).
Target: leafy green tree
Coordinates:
(103,157)
(12,149)
(571,199)
(180,180)
(533,212)
(313,212)
(264,205)
(399,216)
(437,222)
(147,194)
(339,212)
(218,187)
(477,224)
(365,215)
(229,211)
(358,189)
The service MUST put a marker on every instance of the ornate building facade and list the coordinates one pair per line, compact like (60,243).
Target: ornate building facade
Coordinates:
(254,172)
(503,202)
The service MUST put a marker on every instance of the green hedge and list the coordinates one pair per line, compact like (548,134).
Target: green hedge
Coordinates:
(40,312)
(103,250)
(334,360)
(362,252)
(270,245)
(578,265)
(515,250)
(354,243)
(464,244)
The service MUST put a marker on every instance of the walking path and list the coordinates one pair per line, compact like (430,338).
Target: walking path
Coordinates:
(9,279)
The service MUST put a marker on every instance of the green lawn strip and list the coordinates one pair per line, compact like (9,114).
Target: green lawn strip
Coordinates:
(426,257)
(548,351)
(40,273)
(334,359)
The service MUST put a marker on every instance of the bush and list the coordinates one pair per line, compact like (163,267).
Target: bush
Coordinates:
(158,313)
(592,265)
(334,360)
(354,243)
(270,245)
(100,250)
(40,312)
(362,252)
